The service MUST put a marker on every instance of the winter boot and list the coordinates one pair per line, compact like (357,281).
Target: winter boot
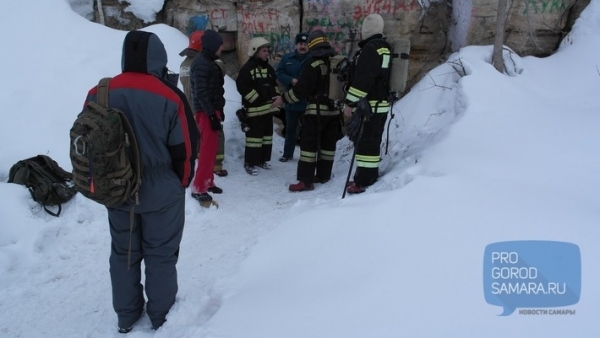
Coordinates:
(215,190)
(355,189)
(250,169)
(301,186)
(265,165)
(221,173)
(202,197)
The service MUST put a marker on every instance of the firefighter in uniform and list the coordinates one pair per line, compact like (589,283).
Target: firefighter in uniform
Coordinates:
(369,80)
(321,121)
(257,84)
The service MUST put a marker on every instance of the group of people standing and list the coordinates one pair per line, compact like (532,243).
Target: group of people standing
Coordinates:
(166,121)
(304,73)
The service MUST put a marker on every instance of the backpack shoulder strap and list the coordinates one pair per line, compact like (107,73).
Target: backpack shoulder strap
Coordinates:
(103,92)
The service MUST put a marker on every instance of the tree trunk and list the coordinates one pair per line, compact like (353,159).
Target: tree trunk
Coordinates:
(497,59)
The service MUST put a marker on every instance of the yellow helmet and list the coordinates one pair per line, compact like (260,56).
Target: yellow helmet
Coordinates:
(257,43)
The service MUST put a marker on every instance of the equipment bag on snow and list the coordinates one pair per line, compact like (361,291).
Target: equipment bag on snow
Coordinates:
(107,167)
(47,182)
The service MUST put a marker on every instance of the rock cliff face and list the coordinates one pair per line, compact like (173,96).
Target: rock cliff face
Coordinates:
(435,28)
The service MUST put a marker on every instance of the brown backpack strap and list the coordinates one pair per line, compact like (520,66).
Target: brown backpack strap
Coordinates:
(103,92)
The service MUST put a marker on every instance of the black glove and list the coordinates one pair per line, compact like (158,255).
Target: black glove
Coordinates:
(353,127)
(222,116)
(215,122)
(363,108)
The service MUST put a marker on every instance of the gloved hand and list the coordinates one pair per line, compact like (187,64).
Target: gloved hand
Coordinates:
(353,127)
(222,116)
(215,122)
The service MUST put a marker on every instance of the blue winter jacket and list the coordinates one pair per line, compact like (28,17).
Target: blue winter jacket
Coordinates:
(289,68)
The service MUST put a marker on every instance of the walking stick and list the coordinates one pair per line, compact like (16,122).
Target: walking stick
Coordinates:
(360,129)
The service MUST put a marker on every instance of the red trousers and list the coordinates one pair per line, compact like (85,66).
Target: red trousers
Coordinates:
(209,142)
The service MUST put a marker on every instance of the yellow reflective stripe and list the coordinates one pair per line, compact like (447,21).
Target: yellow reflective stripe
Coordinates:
(386,61)
(308,156)
(311,109)
(252,96)
(386,54)
(382,106)
(253,142)
(259,73)
(267,139)
(367,161)
(291,97)
(317,63)
(327,155)
(220,156)
(316,41)
(354,95)
(261,110)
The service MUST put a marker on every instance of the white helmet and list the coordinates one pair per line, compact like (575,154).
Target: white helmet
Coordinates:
(255,44)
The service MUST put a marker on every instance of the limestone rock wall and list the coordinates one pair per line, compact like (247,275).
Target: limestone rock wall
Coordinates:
(434,27)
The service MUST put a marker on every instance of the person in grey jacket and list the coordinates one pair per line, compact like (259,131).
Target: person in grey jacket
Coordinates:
(167,135)
(288,72)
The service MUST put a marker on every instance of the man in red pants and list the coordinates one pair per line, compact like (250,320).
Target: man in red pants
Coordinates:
(208,95)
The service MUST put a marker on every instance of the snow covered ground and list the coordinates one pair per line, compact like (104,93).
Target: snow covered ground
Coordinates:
(473,160)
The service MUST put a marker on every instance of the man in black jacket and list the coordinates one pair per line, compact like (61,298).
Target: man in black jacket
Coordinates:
(320,122)
(164,127)
(370,82)
(208,95)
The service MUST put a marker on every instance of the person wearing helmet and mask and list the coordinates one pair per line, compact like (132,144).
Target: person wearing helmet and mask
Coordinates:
(320,122)
(288,72)
(194,47)
(257,84)
(208,95)
(369,82)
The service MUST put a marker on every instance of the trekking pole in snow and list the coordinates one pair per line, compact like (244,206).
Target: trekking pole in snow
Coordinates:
(359,134)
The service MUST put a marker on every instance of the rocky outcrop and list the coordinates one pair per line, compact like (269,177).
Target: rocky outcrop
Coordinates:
(435,28)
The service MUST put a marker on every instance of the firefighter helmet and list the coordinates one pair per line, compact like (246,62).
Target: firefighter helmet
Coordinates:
(255,44)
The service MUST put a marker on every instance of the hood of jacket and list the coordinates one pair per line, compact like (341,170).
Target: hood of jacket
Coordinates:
(143,52)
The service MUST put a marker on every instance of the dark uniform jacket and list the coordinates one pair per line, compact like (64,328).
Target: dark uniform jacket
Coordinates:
(161,119)
(257,84)
(371,74)
(312,86)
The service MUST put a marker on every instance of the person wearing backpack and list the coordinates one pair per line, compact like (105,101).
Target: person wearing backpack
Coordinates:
(193,49)
(167,136)
(369,82)
(288,71)
(320,122)
(207,81)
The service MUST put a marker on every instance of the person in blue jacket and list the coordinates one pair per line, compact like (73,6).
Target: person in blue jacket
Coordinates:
(288,72)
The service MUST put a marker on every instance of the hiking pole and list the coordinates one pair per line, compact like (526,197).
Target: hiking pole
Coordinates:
(360,129)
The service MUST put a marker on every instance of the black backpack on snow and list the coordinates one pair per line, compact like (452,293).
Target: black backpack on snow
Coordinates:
(47,182)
